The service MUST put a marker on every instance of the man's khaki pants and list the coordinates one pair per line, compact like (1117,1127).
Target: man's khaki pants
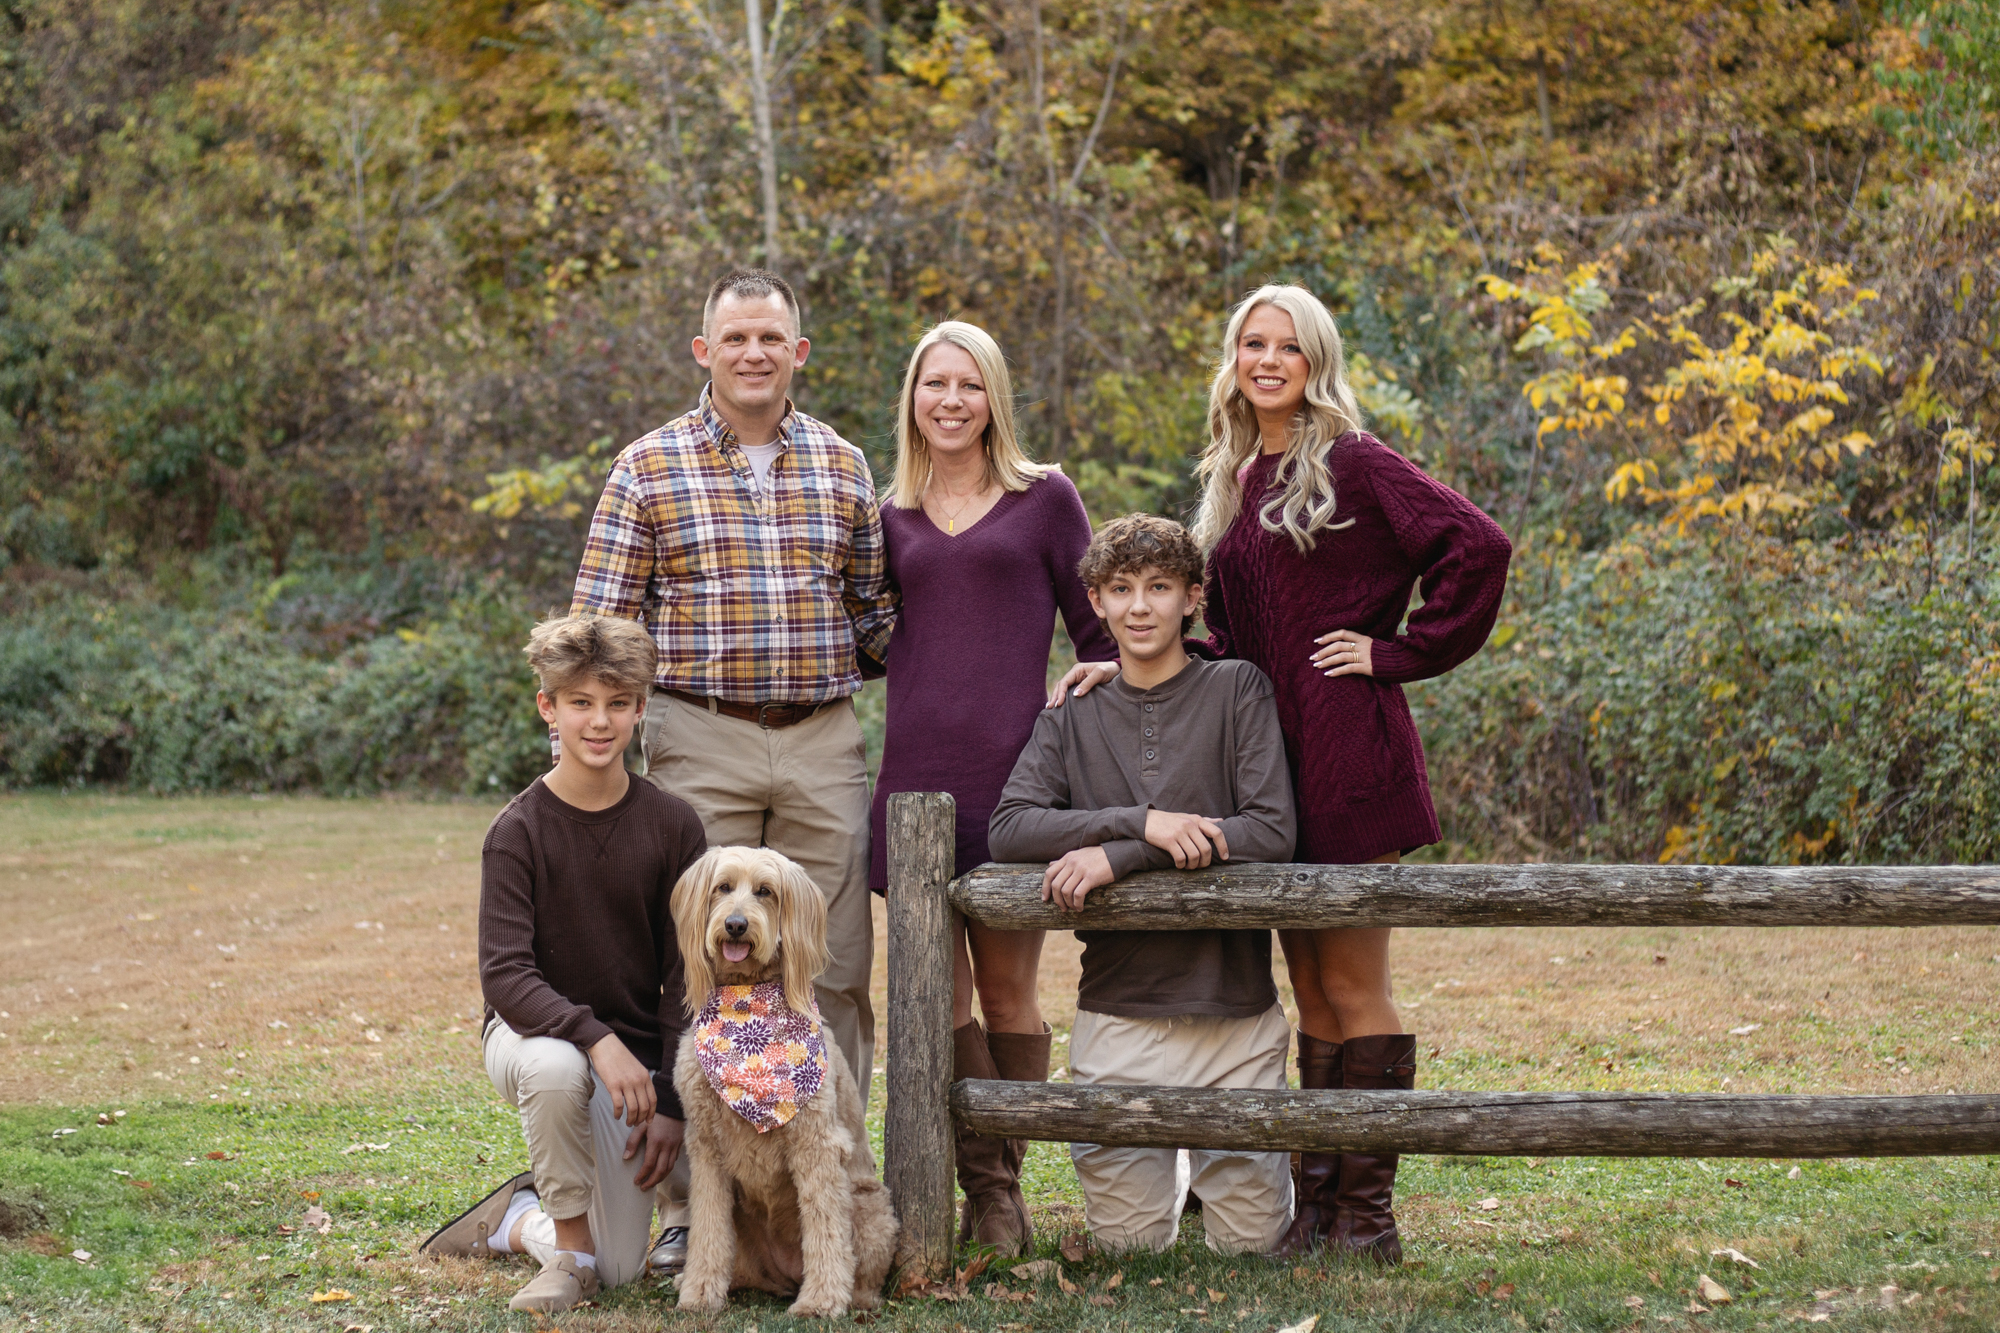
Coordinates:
(1131,1196)
(576,1148)
(801,790)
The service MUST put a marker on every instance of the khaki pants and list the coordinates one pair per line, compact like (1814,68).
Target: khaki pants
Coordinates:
(1131,1196)
(800,790)
(576,1148)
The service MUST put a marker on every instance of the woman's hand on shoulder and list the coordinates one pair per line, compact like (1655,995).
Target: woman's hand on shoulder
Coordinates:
(1080,680)
(1345,653)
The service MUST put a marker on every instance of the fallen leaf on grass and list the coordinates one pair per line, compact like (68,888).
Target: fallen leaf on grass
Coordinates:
(1503,1291)
(359,1328)
(1635,1302)
(81,1256)
(1216,1297)
(1115,1281)
(1075,1247)
(328,1297)
(1489,1205)
(1732,1182)
(1732,1253)
(1745,1030)
(1305,1325)
(222,1157)
(1155,1281)
(1696,1307)
(1034,1271)
(1712,1291)
(910,1282)
(1069,1288)
(1105,1301)
(317,1219)
(364,1147)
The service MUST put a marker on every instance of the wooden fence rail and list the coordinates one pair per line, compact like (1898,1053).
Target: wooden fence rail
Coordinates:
(922,1100)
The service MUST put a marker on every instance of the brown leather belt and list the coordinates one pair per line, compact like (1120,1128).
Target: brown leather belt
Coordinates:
(769,716)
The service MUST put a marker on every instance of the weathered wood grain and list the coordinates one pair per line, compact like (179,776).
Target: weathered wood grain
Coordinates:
(1258,896)
(917,1138)
(1539,1124)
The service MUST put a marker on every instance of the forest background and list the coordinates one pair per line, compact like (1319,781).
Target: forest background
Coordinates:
(321,323)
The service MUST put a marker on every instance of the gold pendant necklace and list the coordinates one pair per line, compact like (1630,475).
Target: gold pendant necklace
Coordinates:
(951,518)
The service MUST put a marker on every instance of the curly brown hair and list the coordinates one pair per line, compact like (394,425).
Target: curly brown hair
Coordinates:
(1139,541)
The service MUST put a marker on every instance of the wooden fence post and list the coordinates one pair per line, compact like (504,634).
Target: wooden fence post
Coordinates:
(916,1119)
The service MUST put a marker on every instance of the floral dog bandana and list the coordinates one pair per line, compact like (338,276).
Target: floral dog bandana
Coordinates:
(762,1057)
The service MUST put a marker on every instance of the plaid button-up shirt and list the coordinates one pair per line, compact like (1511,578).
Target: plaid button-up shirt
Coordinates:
(753,595)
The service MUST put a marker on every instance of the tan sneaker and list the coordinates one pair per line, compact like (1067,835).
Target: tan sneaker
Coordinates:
(466,1235)
(563,1285)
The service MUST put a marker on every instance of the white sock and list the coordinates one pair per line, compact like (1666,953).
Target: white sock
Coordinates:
(523,1202)
(538,1237)
(582,1260)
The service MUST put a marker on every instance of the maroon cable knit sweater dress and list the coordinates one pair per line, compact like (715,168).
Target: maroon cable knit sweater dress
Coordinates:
(1357,764)
(969,659)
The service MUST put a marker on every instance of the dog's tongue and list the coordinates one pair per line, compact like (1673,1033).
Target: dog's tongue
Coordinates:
(735,951)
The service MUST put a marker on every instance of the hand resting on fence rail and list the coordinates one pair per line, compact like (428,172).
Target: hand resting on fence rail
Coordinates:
(1008,897)
(1540,1124)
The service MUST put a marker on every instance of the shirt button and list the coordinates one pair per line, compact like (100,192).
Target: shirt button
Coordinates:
(1149,732)
(1149,708)
(1149,754)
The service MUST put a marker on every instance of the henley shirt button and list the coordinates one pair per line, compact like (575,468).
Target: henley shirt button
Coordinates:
(1149,732)
(1149,708)
(1149,754)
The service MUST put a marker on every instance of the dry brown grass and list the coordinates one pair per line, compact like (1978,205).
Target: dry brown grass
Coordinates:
(146,934)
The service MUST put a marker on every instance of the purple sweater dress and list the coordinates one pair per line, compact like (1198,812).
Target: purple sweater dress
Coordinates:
(969,659)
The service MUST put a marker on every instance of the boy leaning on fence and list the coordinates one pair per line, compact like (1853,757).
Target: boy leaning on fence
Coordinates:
(583,984)
(1176,762)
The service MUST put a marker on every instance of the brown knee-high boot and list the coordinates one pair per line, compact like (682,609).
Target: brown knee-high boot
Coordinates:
(1021,1057)
(994,1212)
(1319,1172)
(1363,1222)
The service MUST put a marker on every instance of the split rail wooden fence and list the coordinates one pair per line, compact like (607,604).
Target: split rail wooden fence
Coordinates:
(923,1102)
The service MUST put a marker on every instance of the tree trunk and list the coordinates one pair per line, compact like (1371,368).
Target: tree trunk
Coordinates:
(760,115)
(871,44)
(1260,897)
(1538,1124)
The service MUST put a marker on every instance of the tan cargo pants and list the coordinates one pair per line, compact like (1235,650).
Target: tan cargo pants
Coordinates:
(800,790)
(1132,1196)
(576,1148)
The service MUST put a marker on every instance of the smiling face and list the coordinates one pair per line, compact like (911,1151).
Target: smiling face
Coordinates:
(594,719)
(1145,609)
(1271,367)
(949,402)
(750,349)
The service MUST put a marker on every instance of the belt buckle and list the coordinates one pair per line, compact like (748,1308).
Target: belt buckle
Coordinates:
(760,719)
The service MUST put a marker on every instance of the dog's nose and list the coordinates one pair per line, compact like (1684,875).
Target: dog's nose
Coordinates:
(735,925)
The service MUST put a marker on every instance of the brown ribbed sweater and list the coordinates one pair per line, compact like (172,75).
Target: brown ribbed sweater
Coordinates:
(576,939)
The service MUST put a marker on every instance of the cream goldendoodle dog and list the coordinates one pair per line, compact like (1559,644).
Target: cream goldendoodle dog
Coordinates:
(782,1191)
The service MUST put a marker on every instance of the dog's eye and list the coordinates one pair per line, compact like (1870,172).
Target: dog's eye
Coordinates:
(765,891)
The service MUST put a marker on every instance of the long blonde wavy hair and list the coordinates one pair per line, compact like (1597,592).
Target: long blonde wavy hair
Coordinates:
(1302,499)
(1006,462)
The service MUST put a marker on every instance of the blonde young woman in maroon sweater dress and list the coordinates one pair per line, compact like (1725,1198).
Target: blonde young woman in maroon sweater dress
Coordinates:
(1317,534)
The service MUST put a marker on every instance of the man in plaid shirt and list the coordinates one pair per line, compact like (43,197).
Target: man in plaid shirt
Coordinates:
(745,536)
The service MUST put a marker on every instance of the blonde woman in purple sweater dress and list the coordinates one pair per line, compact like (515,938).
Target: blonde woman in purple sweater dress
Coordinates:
(983,548)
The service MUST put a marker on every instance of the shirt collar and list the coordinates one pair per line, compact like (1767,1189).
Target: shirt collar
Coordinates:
(719,431)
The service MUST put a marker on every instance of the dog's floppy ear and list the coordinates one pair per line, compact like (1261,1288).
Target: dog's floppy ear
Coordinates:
(802,921)
(690,909)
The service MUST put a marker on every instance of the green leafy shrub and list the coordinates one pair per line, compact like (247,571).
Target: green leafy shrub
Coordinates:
(1764,703)
(167,700)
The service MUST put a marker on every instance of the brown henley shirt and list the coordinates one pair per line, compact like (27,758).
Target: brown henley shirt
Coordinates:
(576,939)
(1205,742)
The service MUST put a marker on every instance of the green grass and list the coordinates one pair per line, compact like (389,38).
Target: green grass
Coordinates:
(180,1240)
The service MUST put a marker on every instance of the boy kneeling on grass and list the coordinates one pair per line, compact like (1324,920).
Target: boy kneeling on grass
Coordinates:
(1177,762)
(583,983)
